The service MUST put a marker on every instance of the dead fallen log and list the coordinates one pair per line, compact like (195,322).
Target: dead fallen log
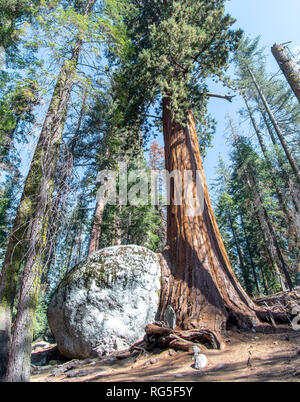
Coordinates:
(279,306)
(283,300)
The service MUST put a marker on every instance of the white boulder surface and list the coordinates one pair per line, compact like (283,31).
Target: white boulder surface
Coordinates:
(104,303)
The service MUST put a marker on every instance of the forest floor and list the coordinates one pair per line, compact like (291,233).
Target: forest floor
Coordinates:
(255,357)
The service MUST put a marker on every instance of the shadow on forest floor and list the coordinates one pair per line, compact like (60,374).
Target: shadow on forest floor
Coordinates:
(255,357)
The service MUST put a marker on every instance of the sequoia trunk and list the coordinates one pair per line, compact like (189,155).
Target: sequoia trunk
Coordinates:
(198,280)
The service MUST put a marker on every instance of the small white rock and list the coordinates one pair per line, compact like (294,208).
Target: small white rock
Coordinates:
(200,362)
(196,351)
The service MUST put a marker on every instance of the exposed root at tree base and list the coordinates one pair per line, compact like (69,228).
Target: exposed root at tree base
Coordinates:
(158,336)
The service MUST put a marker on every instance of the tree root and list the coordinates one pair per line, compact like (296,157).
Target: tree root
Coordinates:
(182,340)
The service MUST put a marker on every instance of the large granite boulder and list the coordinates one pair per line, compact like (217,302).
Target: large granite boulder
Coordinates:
(104,303)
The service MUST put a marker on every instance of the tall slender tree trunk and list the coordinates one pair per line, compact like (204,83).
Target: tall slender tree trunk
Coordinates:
(277,128)
(272,238)
(37,196)
(267,257)
(198,280)
(59,203)
(289,67)
(249,253)
(96,229)
(118,227)
(240,252)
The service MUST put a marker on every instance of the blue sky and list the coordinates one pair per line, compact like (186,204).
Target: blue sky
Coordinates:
(275,21)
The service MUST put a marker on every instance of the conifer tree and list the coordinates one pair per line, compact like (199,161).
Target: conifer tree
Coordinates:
(247,160)
(177,45)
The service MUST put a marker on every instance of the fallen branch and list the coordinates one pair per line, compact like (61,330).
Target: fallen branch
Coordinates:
(279,306)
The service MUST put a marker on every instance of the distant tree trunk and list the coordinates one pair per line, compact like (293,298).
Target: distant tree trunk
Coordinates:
(79,246)
(240,252)
(198,280)
(267,257)
(96,229)
(289,68)
(278,131)
(70,254)
(271,236)
(249,253)
(118,227)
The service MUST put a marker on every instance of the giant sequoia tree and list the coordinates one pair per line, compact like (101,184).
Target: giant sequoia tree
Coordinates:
(178,44)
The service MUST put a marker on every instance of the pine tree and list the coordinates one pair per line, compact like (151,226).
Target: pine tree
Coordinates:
(227,216)
(247,160)
(274,102)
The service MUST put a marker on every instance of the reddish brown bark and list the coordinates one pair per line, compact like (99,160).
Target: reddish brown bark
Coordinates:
(96,230)
(198,280)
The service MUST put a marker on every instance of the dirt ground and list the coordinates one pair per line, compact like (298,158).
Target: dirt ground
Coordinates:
(254,357)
